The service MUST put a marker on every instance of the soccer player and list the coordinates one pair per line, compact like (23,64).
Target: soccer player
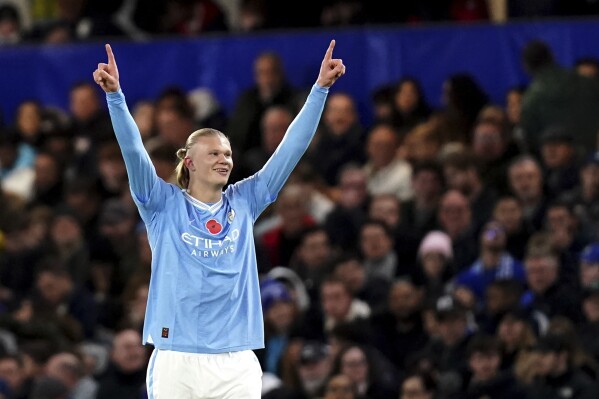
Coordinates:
(204,313)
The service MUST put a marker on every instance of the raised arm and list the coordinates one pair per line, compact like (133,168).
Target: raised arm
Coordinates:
(141,172)
(302,129)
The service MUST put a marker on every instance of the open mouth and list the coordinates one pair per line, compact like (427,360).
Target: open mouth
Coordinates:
(222,171)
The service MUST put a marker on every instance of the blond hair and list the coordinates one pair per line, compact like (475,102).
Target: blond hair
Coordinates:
(181,169)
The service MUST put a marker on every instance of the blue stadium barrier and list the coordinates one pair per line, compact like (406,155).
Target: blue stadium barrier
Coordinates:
(373,55)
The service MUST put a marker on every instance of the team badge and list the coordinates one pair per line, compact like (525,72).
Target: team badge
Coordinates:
(231,216)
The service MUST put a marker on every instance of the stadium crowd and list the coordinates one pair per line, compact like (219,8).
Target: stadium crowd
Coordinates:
(437,253)
(62,21)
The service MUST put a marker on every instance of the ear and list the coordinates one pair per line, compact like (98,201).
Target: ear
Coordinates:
(188,163)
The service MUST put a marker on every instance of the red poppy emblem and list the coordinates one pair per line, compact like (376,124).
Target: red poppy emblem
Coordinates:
(213,226)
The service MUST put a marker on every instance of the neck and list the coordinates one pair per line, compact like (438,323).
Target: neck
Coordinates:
(205,194)
(490,258)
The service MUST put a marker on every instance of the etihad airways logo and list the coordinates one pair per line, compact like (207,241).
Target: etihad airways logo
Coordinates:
(209,248)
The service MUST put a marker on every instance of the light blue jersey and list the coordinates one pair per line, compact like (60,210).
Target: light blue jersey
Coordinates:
(204,293)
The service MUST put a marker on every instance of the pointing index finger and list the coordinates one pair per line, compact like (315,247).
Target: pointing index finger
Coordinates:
(329,54)
(111,59)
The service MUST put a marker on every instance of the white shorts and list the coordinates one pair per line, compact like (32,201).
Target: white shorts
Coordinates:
(181,375)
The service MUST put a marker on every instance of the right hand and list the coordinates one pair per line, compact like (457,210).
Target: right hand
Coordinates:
(107,75)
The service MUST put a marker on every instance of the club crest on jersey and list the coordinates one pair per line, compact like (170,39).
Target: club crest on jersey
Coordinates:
(231,216)
(213,226)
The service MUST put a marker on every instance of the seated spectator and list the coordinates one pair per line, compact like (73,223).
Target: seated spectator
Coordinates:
(339,305)
(517,336)
(493,264)
(126,372)
(313,368)
(12,370)
(398,330)
(462,173)
(487,380)
(340,139)
(385,171)
(371,381)
(378,255)
(435,256)
(344,221)
(418,214)
(560,161)
(340,386)
(68,368)
(508,213)
(526,182)
(371,289)
(455,219)
(556,374)
(419,385)
(546,293)
(409,106)
(585,198)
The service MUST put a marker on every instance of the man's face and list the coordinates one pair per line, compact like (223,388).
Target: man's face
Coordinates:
(487,141)
(484,365)
(526,181)
(335,300)
(557,154)
(84,103)
(210,161)
(541,273)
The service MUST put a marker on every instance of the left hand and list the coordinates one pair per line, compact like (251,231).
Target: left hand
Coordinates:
(331,68)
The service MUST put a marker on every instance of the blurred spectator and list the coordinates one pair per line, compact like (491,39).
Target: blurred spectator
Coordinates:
(91,123)
(419,385)
(585,198)
(508,213)
(493,264)
(559,160)
(418,215)
(455,219)
(281,241)
(516,334)
(589,266)
(556,374)
(143,113)
(344,222)
(386,208)
(68,245)
(10,25)
(49,388)
(340,138)
(587,66)
(435,256)
(449,351)
(424,142)
(462,173)
(163,158)
(29,123)
(382,99)
(312,259)
(409,106)
(111,169)
(193,17)
(339,305)
(12,370)
(68,369)
(501,297)
(280,312)
(340,386)
(386,173)
(174,117)
(126,372)
(526,182)
(342,13)
(318,194)
(273,125)
(371,381)
(371,289)
(398,330)
(484,359)
(589,329)
(270,88)
(378,254)
(252,15)
(463,98)
(59,303)
(557,97)
(546,293)
(494,148)
(315,364)
(513,106)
